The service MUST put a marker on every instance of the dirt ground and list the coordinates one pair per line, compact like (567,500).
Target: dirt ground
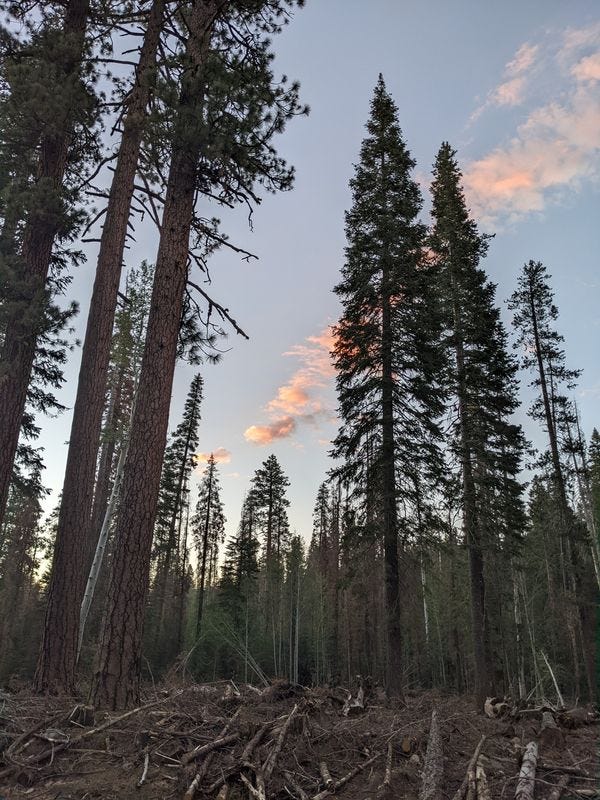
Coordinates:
(50,749)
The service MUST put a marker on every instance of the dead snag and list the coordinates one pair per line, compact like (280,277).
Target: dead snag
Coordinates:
(556,793)
(526,782)
(433,769)
(347,778)
(550,734)
(462,790)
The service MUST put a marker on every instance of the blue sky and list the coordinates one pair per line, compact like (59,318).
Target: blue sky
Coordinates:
(515,88)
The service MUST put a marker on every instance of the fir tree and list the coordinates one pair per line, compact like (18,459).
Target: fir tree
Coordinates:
(208,530)
(180,460)
(270,504)
(482,383)
(542,353)
(386,354)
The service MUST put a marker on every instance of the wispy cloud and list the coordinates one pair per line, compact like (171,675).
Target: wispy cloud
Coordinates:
(303,398)
(221,456)
(556,148)
(511,91)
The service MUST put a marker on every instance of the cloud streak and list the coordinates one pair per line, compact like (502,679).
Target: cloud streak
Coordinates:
(554,150)
(303,398)
(221,456)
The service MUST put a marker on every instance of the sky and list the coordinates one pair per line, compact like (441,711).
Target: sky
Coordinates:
(515,88)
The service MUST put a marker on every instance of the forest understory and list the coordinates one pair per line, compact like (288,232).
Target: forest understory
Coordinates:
(225,741)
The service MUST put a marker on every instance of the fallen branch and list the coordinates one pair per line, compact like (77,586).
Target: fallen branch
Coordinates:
(200,775)
(269,764)
(145,770)
(556,793)
(298,790)
(204,749)
(483,789)
(461,791)
(387,778)
(526,782)
(347,778)
(433,769)
(326,775)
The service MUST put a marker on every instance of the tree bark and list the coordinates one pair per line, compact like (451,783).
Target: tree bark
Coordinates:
(390,514)
(41,228)
(116,682)
(472,537)
(56,665)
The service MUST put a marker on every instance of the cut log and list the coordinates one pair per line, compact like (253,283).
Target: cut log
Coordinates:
(550,734)
(433,769)
(526,782)
(326,775)
(269,764)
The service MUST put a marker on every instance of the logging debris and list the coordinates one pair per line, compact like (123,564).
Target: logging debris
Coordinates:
(219,741)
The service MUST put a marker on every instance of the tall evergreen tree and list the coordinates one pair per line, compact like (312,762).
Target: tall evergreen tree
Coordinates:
(72,544)
(208,529)
(386,354)
(229,109)
(180,460)
(46,121)
(270,504)
(541,350)
(482,384)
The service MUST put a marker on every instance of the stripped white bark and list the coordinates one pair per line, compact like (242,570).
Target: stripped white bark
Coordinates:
(526,782)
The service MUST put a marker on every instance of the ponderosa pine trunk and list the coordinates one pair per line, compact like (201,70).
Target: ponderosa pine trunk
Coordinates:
(390,514)
(117,678)
(58,654)
(41,228)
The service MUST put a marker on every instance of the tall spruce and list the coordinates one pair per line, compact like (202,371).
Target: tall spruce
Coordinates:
(386,354)
(212,152)
(541,348)
(208,530)
(482,386)
(179,461)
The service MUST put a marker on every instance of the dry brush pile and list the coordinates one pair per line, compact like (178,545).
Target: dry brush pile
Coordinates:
(226,742)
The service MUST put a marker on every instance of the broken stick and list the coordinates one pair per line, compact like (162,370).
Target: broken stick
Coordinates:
(204,749)
(347,778)
(461,791)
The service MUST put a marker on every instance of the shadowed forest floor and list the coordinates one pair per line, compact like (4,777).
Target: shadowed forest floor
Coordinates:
(296,740)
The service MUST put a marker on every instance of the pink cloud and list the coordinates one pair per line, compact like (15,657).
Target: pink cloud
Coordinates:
(265,434)
(221,456)
(523,60)
(509,93)
(555,149)
(588,69)
(303,398)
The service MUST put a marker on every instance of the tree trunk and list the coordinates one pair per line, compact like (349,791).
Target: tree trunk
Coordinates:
(41,228)
(390,515)
(56,666)
(116,682)
(470,525)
